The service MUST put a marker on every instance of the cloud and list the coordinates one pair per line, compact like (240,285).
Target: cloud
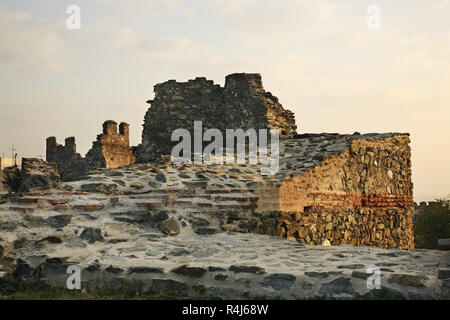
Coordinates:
(27,43)
(127,37)
(441,4)
(146,47)
(236,7)
(278,22)
(149,10)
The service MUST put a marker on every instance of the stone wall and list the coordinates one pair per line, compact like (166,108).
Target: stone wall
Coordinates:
(38,174)
(112,149)
(70,164)
(330,188)
(362,196)
(241,103)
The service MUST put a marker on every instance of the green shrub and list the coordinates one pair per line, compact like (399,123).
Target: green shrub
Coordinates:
(432,223)
(14,180)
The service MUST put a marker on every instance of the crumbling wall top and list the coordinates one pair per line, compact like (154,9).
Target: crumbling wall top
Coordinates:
(241,104)
(112,148)
(56,152)
(244,83)
(110,127)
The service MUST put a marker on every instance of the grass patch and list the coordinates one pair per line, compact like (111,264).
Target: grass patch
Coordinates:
(11,289)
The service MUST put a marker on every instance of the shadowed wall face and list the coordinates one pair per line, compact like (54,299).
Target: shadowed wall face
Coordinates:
(241,104)
(111,150)
(70,164)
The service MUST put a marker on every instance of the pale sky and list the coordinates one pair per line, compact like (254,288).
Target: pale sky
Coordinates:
(318,57)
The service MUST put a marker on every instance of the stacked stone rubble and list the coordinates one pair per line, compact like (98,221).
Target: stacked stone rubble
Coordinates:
(37,174)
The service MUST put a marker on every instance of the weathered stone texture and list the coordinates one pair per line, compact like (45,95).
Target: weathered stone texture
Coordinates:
(384,228)
(362,196)
(330,188)
(241,104)
(112,149)
(70,164)
(38,174)
(367,167)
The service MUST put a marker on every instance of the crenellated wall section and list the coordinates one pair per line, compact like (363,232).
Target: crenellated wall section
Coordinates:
(111,150)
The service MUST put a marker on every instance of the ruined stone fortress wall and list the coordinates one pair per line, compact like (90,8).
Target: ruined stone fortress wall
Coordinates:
(111,150)
(241,104)
(342,189)
(70,163)
(362,196)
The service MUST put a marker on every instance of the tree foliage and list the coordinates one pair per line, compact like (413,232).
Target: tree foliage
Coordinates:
(432,223)
(13,180)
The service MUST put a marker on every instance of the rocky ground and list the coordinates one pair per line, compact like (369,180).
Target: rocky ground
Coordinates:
(224,265)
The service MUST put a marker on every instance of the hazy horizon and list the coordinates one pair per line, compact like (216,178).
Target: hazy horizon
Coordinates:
(319,58)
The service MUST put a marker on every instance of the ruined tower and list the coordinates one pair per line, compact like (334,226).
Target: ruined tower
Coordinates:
(112,149)
(241,104)
(70,164)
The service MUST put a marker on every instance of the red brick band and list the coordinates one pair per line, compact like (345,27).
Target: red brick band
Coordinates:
(360,200)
